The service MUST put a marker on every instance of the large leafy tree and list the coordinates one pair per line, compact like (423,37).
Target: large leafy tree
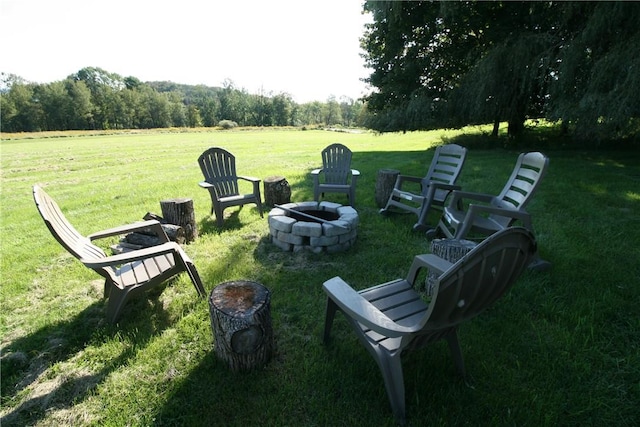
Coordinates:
(455,63)
(598,71)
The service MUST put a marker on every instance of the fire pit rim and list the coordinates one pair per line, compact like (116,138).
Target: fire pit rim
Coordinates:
(292,234)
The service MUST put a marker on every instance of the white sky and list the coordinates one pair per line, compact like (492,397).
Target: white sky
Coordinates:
(307,48)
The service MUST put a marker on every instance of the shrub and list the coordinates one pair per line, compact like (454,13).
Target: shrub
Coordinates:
(227,124)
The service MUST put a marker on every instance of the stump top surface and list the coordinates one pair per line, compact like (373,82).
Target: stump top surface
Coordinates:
(176,200)
(455,243)
(239,298)
(274,178)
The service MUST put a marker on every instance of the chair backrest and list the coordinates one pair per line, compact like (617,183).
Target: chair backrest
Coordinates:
(523,182)
(219,169)
(74,242)
(446,164)
(336,163)
(480,278)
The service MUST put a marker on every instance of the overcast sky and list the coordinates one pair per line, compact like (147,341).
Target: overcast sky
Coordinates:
(307,48)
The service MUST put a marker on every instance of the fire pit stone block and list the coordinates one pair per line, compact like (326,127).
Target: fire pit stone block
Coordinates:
(278,221)
(308,229)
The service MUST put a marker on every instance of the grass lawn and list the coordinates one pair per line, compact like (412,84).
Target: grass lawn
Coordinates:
(561,348)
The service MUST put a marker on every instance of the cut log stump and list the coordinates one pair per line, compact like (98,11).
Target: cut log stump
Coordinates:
(276,191)
(180,212)
(385,181)
(450,249)
(240,313)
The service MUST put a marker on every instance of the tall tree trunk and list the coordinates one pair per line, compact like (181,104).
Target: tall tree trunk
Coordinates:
(496,127)
(516,120)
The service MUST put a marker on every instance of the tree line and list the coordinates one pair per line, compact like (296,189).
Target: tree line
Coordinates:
(95,99)
(448,64)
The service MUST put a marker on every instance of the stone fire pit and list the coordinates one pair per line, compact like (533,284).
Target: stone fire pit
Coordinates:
(334,231)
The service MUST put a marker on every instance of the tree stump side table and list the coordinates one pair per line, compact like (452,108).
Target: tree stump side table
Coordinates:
(385,182)
(276,191)
(450,249)
(180,212)
(240,313)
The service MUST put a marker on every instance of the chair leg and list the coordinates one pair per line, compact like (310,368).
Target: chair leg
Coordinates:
(107,288)
(213,202)
(330,314)
(421,225)
(432,233)
(456,352)
(219,217)
(391,368)
(117,300)
(538,264)
(195,278)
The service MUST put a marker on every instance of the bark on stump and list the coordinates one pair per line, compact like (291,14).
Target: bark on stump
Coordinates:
(385,181)
(276,191)
(450,249)
(180,212)
(240,314)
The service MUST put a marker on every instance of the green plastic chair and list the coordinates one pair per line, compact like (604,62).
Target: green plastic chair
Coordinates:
(393,318)
(430,191)
(486,214)
(126,274)
(219,169)
(333,177)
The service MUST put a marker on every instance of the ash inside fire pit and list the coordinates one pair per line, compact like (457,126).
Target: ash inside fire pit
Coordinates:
(319,215)
(318,227)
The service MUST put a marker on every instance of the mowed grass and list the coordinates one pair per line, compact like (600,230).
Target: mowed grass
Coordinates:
(561,348)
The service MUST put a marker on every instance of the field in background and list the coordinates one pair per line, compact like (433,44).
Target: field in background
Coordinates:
(560,349)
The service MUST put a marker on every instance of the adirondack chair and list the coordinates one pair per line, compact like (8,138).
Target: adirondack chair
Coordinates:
(495,213)
(219,169)
(336,168)
(393,318)
(127,274)
(433,189)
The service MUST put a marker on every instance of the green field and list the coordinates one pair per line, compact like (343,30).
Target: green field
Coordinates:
(562,348)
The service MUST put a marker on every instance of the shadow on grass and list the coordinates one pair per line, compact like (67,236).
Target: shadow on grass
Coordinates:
(298,386)
(307,383)
(34,375)
(208,224)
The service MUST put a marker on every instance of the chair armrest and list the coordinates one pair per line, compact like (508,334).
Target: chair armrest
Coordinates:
(409,178)
(126,257)
(129,228)
(443,186)
(249,178)
(316,171)
(475,211)
(448,188)
(457,196)
(355,172)
(205,184)
(403,179)
(358,308)
(521,214)
(429,261)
